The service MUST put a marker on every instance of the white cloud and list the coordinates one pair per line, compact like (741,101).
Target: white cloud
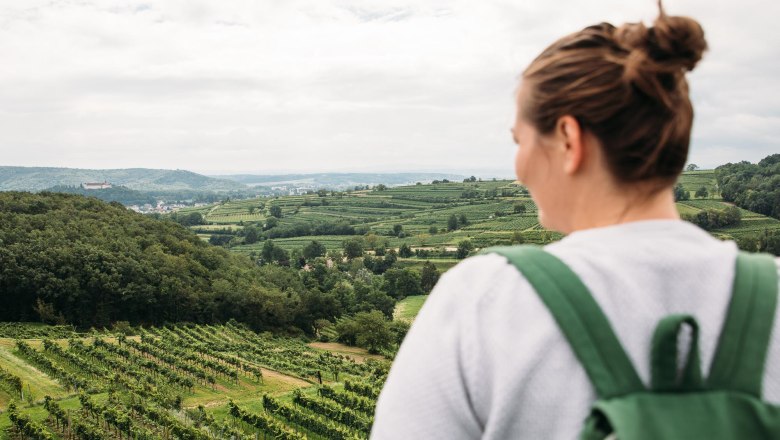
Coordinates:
(313,85)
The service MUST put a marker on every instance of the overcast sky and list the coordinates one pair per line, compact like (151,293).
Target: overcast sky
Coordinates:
(334,85)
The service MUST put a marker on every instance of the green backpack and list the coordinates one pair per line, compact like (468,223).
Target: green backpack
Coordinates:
(727,405)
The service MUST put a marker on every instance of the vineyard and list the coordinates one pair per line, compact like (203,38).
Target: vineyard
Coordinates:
(180,382)
(422,211)
(693,180)
(495,211)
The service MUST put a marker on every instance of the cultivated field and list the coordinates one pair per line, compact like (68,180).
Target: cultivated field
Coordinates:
(185,382)
(496,213)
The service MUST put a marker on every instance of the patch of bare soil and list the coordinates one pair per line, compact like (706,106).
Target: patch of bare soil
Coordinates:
(358,354)
(284,378)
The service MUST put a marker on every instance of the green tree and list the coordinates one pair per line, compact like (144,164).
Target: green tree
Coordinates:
(221,239)
(267,254)
(400,283)
(276,211)
(748,243)
(433,229)
(691,167)
(405,251)
(353,248)
(770,242)
(428,277)
(452,223)
(369,330)
(391,256)
(517,238)
(371,240)
(191,219)
(296,259)
(701,193)
(519,208)
(710,219)
(313,250)
(397,229)
(271,222)
(680,193)
(280,256)
(464,248)
(347,331)
(373,331)
(399,329)
(251,234)
(463,221)
(320,325)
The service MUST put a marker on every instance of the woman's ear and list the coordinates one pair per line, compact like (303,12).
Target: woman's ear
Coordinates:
(570,133)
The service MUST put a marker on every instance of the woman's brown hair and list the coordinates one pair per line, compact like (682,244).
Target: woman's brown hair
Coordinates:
(627,87)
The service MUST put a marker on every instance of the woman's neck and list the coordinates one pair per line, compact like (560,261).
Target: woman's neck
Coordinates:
(619,207)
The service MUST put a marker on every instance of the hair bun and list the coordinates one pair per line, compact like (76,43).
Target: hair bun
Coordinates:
(676,41)
(673,43)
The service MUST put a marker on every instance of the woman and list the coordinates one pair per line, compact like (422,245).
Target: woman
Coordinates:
(602,128)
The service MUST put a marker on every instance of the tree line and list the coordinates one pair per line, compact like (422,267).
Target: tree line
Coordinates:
(755,187)
(71,259)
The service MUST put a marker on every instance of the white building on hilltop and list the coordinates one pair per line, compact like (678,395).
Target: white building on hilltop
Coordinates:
(96,185)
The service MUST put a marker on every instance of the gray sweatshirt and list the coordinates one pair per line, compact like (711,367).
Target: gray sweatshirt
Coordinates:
(485,359)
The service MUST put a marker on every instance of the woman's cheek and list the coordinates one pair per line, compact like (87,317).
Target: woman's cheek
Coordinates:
(520,165)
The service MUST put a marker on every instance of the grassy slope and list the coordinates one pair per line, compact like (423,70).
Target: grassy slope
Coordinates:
(39,383)
(409,307)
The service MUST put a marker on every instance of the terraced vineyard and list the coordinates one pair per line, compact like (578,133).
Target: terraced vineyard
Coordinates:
(693,180)
(495,211)
(183,382)
(422,211)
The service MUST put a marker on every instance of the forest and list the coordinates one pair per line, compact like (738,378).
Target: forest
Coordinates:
(77,260)
(755,187)
(121,194)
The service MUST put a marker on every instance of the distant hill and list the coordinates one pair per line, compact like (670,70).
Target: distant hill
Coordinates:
(139,179)
(340,180)
(116,193)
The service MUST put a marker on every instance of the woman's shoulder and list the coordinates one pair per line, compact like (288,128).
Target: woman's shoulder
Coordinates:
(480,286)
(478,268)
(480,275)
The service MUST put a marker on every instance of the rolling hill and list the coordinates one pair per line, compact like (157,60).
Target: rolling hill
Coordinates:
(140,179)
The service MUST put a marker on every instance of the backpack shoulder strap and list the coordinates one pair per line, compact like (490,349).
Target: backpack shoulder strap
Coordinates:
(739,360)
(579,318)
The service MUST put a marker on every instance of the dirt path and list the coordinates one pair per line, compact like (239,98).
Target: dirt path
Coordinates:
(284,378)
(358,354)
